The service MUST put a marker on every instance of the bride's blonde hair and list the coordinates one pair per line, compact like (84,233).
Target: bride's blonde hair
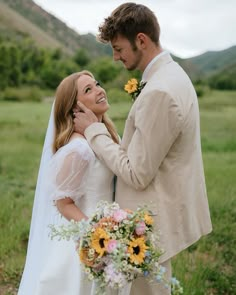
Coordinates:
(65,102)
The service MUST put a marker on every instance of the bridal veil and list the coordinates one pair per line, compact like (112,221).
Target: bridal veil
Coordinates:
(42,210)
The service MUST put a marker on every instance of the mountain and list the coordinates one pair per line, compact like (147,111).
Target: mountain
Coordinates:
(20,18)
(13,26)
(213,62)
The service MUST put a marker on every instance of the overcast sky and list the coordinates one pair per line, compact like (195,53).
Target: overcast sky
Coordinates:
(188,27)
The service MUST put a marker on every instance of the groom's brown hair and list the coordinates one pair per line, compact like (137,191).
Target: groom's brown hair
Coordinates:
(128,20)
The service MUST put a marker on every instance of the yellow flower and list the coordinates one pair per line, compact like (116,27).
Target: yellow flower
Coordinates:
(131,86)
(137,249)
(99,240)
(148,219)
(86,258)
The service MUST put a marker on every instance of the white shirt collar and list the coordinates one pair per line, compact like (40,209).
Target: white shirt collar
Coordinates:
(151,63)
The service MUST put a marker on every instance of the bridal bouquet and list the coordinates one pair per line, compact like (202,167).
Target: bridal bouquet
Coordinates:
(116,246)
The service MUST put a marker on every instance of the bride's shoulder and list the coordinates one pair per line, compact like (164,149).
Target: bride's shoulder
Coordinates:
(77,146)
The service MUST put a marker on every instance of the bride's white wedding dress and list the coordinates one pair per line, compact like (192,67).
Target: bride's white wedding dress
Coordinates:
(75,172)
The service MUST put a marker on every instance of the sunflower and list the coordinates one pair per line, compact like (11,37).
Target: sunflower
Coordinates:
(131,86)
(148,219)
(137,249)
(99,240)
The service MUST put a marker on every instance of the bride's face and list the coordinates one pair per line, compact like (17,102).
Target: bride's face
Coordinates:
(92,95)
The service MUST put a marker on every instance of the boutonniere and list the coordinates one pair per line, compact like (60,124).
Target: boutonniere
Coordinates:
(133,87)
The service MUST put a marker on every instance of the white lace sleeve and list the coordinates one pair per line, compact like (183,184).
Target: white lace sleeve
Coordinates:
(68,170)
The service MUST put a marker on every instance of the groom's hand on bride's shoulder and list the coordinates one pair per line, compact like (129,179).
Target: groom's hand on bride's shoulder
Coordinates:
(83,118)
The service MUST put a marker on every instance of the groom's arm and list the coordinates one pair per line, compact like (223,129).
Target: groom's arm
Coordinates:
(157,124)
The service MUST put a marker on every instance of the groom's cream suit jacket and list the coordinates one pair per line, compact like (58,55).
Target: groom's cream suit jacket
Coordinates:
(159,160)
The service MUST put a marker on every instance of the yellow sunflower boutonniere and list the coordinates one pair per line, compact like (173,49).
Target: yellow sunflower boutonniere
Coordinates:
(133,87)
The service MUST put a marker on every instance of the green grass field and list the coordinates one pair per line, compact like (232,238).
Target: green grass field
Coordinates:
(208,267)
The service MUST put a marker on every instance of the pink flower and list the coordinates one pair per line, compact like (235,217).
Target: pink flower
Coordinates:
(111,246)
(140,228)
(119,215)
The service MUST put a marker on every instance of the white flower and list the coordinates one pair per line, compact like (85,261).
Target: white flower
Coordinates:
(91,251)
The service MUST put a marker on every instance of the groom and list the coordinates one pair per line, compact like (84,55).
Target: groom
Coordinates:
(159,160)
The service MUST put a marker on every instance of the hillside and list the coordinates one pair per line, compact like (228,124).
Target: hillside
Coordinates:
(24,17)
(15,26)
(209,64)
(213,62)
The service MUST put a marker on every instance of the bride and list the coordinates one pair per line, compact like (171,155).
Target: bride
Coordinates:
(71,181)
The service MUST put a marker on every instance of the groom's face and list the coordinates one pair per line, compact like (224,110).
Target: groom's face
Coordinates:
(126,53)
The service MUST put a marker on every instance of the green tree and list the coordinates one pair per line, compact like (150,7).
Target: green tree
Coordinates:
(56,54)
(81,58)
(104,69)
(225,79)
(54,71)
(4,66)
(15,66)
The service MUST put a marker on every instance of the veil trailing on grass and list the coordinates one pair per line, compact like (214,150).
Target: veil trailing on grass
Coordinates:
(42,210)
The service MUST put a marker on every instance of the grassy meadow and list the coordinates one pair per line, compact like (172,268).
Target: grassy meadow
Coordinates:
(206,268)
